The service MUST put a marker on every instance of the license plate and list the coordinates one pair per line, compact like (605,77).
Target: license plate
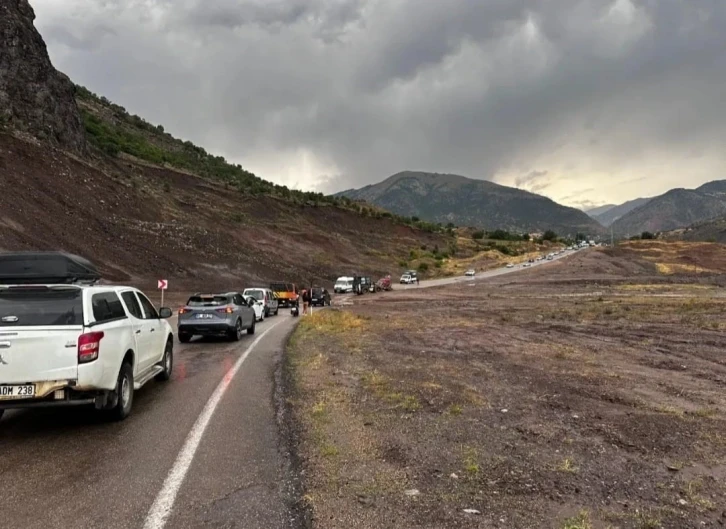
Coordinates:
(204,316)
(17,392)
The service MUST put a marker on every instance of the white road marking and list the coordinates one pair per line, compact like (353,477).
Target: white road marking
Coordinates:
(164,502)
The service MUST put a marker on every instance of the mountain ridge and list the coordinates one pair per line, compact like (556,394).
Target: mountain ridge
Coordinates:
(675,209)
(446,197)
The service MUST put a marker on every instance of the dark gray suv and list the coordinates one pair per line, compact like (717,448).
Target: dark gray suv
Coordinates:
(215,315)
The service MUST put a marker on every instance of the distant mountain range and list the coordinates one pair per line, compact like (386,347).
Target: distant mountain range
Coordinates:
(468,202)
(678,208)
(606,215)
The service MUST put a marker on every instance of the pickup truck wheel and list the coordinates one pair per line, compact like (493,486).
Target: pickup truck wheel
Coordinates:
(125,393)
(184,337)
(250,330)
(167,363)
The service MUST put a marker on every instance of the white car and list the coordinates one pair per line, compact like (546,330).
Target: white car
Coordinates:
(510,265)
(257,306)
(263,298)
(407,279)
(470,273)
(65,341)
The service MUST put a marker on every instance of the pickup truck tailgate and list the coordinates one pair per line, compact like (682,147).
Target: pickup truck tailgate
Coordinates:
(36,355)
(39,330)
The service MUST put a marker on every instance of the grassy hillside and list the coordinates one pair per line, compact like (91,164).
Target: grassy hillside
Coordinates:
(116,133)
(140,222)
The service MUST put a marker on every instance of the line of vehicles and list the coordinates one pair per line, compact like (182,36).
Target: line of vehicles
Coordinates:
(66,339)
(361,284)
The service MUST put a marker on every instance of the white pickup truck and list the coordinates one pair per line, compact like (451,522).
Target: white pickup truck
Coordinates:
(69,343)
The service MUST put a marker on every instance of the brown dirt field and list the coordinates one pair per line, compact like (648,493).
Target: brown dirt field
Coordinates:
(141,223)
(589,393)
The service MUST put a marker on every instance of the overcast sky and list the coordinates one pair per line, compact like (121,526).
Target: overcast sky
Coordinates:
(583,101)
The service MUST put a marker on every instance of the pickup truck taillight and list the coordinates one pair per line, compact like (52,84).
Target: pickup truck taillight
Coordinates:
(88,346)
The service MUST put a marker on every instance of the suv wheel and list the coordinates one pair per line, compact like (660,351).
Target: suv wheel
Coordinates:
(236,333)
(184,337)
(2,412)
(167,363)
(124,393)
(251,329)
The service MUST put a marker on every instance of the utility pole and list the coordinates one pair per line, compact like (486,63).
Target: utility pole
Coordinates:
(612,243)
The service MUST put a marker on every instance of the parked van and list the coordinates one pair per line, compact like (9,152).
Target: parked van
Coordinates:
(344,285)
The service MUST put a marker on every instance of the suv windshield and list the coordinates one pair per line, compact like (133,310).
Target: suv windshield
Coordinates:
(259,295)
(40,306)
(207,301)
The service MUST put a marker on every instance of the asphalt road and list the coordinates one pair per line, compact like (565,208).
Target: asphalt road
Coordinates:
(202,450)
(483,275)
(68,468)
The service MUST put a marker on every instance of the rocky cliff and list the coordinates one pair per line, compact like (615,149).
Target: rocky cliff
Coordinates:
(34,97)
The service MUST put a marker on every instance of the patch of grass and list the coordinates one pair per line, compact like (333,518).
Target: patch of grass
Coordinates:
(645,520)
(581,521)
(455,409)
(331,322)
(410,404)
(670,410)
(707,413)
(471,461)
(320,410)
(567,465)
(329,450)
(692,492)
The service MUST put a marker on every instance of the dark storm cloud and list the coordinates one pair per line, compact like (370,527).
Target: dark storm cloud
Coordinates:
(557,96)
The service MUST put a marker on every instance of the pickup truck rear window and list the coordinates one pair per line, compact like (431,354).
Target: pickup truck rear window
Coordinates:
(40,306)
(282,287)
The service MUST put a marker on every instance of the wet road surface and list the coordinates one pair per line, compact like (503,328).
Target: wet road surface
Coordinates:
(68,467)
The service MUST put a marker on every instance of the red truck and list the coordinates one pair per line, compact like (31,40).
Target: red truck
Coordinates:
(287,294)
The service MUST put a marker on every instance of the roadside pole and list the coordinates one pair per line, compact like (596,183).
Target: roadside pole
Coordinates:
(162,285)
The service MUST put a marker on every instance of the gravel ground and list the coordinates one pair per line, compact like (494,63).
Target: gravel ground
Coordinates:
(586,395)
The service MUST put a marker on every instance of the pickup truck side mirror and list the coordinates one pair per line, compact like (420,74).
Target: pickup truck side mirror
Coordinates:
(164,312)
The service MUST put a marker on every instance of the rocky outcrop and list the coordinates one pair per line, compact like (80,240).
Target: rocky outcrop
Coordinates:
(35,98)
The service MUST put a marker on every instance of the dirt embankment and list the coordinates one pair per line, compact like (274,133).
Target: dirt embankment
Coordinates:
(140,223)
(584,394)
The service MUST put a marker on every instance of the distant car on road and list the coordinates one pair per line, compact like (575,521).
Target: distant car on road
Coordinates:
(407,279)
(216,315)
(527,264)
(320,296)
(510,265)
(266,298)
(470,273)
(66,341)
